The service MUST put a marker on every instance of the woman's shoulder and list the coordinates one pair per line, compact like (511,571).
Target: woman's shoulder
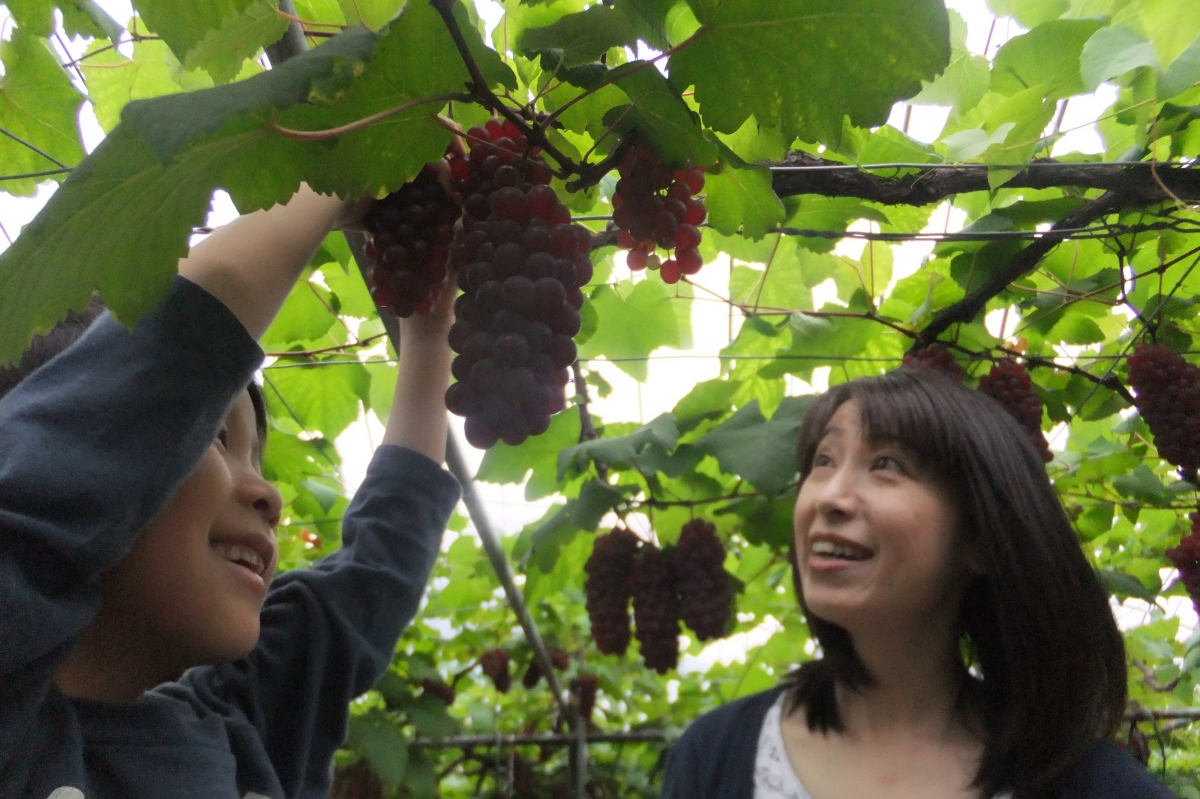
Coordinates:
(1108,772)
(745,714)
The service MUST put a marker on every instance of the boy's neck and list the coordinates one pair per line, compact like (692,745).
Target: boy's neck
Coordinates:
(110,665)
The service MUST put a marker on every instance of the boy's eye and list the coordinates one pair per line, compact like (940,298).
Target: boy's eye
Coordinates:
(223,437)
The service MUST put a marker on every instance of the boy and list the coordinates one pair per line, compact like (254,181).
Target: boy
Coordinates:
(144,651)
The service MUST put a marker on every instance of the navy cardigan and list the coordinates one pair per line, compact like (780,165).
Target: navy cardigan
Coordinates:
(714,759)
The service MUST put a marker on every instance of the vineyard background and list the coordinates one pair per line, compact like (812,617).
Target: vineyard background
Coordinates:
(693,391)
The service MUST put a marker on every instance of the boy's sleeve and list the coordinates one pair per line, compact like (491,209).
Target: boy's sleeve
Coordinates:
(92,446)
(329,633)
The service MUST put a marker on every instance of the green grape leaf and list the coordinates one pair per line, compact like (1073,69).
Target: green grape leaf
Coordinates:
(1049,54)
(759,450)
(327,11)
(383,743)
(661,431)
(303,317)
(33,16)
(964,81)
(1111,52)
(828,59)
(1183,73)
(86,18)
(240,36)
(373,14)
(536,459)
(706,400)
(740,198)
(660,116)
(649,20)
(323,399)
(1029,13)
(582,38)
(634,326)
(114,81)
(39,105)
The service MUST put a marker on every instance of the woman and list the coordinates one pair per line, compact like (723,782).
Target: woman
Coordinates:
(968,648)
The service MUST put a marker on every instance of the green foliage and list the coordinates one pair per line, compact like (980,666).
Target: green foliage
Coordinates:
(739,83)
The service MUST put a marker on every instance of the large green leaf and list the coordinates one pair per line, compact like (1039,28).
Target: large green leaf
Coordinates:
(759,450)
(805,64)
(536,459)
(634,326)
(661,430)
(1048,55)
(583,37)
(660,116)
(740,198)
(1111,52)
(216,35)
(39,105)
(114,81)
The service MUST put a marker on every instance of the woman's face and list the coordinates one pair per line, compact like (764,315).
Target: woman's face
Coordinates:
(876,540)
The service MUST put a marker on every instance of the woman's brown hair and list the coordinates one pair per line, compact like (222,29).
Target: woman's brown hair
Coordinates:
(1048,659)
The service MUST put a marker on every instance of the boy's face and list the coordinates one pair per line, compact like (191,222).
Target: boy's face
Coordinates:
(197,576)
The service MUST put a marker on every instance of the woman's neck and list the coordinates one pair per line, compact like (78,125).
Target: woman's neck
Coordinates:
(918,684)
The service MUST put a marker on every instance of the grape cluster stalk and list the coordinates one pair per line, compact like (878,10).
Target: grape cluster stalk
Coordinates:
(705,595)
(935,358)
(1009,384)
(521,265)
(1168,397)
(609,586)
(655,206)
(410,234)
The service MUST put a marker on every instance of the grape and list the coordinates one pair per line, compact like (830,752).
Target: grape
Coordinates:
(653,207)
(439,689)
(494,663)
(705,596)
(558,658)
(609,587)
(1186,558)
(1168,397)
(936,358)
(583,688)
(525,263)
(409,246)
(656,608)
(1008,383)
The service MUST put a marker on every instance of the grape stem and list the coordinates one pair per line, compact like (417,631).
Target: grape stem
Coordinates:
(365,122)
(487,98)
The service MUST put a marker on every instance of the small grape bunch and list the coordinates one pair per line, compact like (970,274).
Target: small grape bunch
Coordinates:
(1186,558)
(1168,397)
(656,608)
(521,265)
(558,658)
(1008,383)
(705,595)
(655,206)
(440,689)
(935,358)
(494,663)
(409,245)
(583,688)
(609,586)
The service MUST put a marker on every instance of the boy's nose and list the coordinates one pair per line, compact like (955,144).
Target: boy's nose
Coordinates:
(263,496)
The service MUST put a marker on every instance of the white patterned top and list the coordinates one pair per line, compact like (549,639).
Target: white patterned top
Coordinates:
(774,777)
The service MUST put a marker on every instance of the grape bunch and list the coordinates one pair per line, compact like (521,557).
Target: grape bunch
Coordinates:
(705,596)
(356,781)
(609,586)
(558,658)
(656,608)
(584,688)
(1008,383)
(1186,558)
(1168,397)
(521,265)
(935,358)
(440,689)
(411,231)
(494,663)
(654,206)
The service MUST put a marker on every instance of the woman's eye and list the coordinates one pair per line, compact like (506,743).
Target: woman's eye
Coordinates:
(822,459)
(888,463)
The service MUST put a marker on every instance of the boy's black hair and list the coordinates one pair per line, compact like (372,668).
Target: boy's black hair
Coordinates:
(43,348)
(1036,625)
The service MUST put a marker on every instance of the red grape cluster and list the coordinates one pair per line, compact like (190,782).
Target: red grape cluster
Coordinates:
(609,586)
(558,658)
(1168,397)
(935,358)
(356,781)
(705,596)
(1186,558)
(411,230)
(656,608)
(1008,383)
(440,689)
(654,206)
(521,265)
(494,663)
(584,688)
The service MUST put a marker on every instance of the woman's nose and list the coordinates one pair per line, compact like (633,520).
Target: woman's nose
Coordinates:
(838,497)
